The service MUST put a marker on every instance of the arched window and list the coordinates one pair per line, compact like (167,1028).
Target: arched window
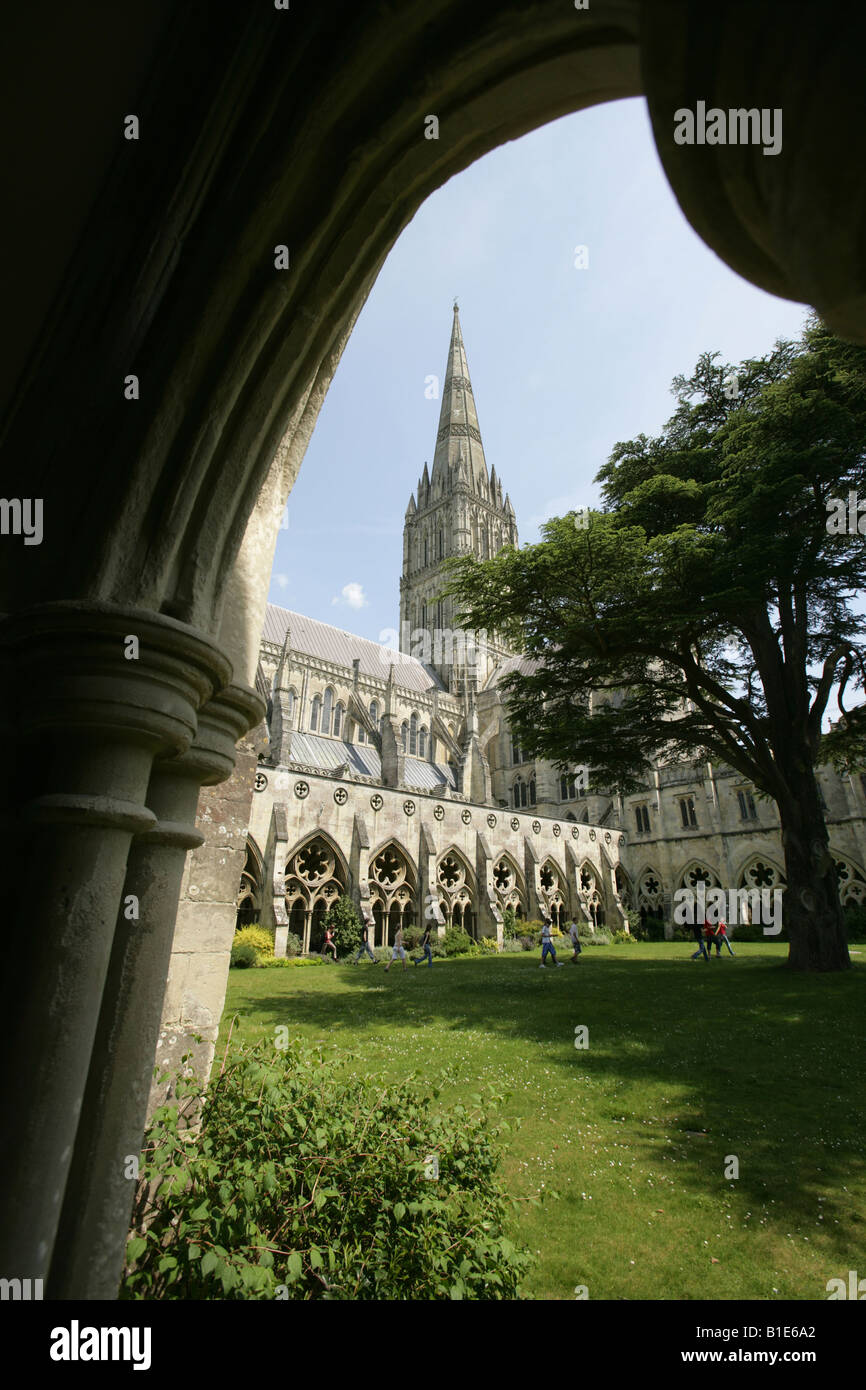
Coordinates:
(413,734)
(423,622)
(327,706)
(426,560)
(516,751)
(567,790)
(441,544)
(374,713)
(315,712)
(422,743)
(519,792)
(338,720)
(404,735)
(532,791)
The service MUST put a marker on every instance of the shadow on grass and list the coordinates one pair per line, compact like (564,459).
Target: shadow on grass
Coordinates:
(767,1065)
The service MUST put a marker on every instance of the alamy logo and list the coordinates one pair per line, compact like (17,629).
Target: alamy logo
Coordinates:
(712,904)
(734,127)
(22,516)
(75,1343)
(856,1288)
(850,520)
(23,1290)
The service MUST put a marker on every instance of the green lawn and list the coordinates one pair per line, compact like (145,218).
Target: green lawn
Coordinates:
(687,1063)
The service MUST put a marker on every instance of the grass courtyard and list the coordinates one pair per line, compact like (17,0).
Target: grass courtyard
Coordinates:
(687,1064)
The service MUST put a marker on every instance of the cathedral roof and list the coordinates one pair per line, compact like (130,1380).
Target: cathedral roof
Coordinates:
(526,665)
(327,754)
(459,433)
(325,643)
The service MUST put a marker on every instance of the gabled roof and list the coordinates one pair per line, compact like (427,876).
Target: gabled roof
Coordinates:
(325,643)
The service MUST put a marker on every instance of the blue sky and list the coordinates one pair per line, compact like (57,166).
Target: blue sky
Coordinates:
(564,362)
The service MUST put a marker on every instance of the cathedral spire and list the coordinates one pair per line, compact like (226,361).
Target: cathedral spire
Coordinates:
(458,434)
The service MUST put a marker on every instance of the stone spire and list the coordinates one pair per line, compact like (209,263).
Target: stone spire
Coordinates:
(458,435)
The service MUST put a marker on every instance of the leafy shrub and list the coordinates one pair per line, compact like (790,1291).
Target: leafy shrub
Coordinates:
(855,921)
(412,938)
(294,944)
(280,962)
(489,943)
(622,938)
(527,943)
(345,924)
(458,942)
(258,937)
(511,924)
(304,1185)
(600,937)
(748,931)
(513,945)
(244,956)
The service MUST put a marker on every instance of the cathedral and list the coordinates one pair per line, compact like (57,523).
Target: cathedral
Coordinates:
(389,773)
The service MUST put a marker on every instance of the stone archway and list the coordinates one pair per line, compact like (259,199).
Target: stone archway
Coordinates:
(164,279)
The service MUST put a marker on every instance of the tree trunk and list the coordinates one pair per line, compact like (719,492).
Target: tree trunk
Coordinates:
(811,911)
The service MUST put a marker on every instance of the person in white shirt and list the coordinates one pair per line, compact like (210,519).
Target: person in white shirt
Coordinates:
(575,941)
(547,947)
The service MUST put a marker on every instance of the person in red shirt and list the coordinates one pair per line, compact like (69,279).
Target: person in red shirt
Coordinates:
(329,944)
(720,937)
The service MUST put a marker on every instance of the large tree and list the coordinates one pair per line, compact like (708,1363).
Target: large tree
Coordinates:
(710,609)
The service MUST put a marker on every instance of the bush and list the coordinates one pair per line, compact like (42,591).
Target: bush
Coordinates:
(294,944)
(855,921)
(258,937)
(458,942)
(489,943)
(527,943)
(511,924)
(600,937)
(514,944)
(412,938)
(279,962)
(244,956)
(622,938)
(345,924)
(306,1185)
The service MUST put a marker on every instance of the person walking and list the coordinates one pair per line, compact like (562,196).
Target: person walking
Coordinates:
(547,947)
(329,944)
(575,940)
(698,934)
(721,938)
(365,945)
(709,933)
(397,951)
(424,948)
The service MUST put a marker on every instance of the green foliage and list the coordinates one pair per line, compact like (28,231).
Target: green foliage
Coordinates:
(600,937)
(527,943)
(301,1185)
(458,942)
(259,938)
(243,957)
(412,938)
(650,929)
(511,924)
(748,931)
(855,921)
(345,924)
(294,944)
(280,962)
(514,945)
(489,944)
(623,938)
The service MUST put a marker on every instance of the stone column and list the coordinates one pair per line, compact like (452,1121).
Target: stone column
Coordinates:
(100,692)
(89,1255)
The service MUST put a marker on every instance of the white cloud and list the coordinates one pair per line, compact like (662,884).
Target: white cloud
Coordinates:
(352,595)
(282,580)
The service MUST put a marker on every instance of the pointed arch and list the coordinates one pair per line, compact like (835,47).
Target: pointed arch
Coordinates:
(327,710)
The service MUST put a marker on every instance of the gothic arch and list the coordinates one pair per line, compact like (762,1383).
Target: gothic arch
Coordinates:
(553,891)
(508,885)
(650,893)
(393,882)
(591,893)
(181,277)
(697,870)
(249,899)
(455,882)
(316,874)
(851,880)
